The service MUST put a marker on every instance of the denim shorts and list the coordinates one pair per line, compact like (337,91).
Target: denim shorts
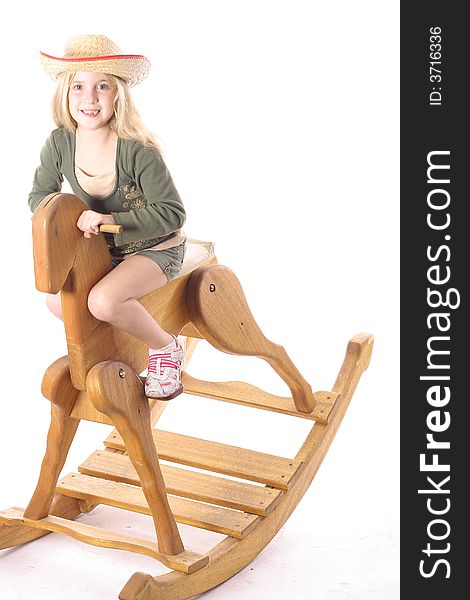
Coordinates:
(169,260)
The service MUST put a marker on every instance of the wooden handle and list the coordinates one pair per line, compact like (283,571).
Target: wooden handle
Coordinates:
(111,228)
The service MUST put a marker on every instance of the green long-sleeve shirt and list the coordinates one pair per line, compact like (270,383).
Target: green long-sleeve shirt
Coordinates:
(145,201)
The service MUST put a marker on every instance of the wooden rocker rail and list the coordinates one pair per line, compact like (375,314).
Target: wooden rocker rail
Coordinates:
(240,493)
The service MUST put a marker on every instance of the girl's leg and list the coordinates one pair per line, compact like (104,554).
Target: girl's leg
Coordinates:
(54,304)
(114,299)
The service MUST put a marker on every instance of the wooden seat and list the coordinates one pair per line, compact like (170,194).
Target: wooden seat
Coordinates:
(243,494)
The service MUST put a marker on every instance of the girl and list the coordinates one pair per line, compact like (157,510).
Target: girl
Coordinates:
(114,165)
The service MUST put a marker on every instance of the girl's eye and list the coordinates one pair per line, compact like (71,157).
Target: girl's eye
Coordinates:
(103,87)
(77,87)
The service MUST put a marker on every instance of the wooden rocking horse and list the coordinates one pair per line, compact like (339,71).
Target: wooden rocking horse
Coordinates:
(99,381)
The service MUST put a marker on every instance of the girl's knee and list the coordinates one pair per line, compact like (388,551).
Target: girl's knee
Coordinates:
(102,305)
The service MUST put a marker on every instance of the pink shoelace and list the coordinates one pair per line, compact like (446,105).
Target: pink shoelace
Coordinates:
(161,363)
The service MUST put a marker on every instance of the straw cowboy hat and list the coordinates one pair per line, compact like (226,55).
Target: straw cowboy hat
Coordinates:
(99,54)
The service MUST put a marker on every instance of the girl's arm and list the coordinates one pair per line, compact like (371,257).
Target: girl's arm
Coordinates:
(47,178)
(164,212)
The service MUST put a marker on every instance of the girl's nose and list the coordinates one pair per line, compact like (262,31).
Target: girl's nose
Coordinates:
(91,95)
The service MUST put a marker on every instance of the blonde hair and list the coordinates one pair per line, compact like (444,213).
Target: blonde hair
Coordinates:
(126,121)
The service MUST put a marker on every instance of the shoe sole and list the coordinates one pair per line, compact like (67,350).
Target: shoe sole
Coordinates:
(176,393)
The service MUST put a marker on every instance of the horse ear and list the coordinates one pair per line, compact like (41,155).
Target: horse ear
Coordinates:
(55,237)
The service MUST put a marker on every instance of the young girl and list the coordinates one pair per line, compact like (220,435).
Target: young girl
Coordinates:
(114,165)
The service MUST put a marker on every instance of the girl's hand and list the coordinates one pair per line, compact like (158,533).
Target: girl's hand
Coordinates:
(89,222)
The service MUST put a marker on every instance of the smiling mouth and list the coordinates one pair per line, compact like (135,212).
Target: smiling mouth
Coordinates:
(90,113)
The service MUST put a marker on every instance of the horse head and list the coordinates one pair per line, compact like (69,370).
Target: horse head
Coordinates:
(55,239)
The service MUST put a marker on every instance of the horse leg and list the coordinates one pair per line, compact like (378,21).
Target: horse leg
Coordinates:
(218,309)
(117,391)
(56,387)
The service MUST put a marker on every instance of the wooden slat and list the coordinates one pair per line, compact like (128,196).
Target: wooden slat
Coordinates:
(238,495)
(239,392)
(186,562)
(122,495)
(221,458)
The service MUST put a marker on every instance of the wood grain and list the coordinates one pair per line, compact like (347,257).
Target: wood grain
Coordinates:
(239,495)
(130,497)
(264,468)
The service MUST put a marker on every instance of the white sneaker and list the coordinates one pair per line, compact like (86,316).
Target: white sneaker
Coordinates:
(164,370)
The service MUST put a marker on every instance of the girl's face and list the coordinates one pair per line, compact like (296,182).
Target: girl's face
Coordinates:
(91,100)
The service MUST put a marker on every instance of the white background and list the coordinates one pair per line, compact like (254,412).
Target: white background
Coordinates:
(279,122)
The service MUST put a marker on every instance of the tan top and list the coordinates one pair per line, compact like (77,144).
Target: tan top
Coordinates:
(96,185)
(101,186)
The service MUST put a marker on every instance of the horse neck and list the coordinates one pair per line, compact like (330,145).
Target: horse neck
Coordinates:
(92,263)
